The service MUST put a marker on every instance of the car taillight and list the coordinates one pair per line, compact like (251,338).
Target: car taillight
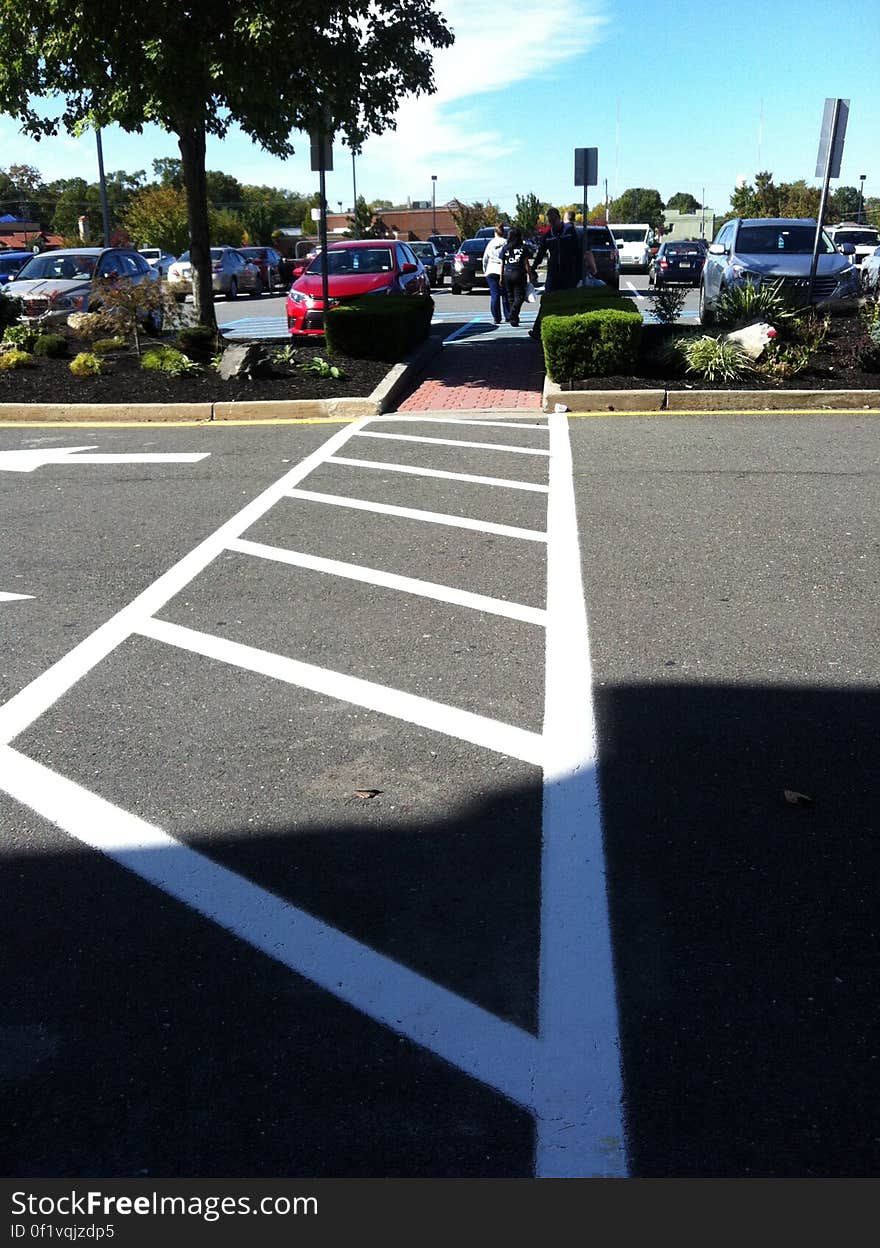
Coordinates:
(664,263)
(460,257)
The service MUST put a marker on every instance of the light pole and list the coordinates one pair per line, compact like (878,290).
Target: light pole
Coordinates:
(105,214)
(703,211)
(862,177)
(434,203)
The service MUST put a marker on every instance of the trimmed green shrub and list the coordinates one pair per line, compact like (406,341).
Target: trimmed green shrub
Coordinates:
(168,360)
(591,344)
(52,345)
(105,345)
(10,310)
(583,299)
(21,336)
(86,364)
(16,358)
(378,327)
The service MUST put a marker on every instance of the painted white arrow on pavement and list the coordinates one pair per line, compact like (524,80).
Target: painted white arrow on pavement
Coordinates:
(4,597)
(27,461)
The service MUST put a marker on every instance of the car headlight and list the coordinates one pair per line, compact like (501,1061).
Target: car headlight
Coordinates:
(742,274)
(72,303)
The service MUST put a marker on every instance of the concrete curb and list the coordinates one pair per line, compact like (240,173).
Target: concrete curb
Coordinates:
(662,400)
(341,409)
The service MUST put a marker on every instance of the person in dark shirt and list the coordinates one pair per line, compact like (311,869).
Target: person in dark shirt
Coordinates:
(565,261)
(515,272)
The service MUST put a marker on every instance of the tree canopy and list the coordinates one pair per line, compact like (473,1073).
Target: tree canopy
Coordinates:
(683,201)
(271,67)
(638,204)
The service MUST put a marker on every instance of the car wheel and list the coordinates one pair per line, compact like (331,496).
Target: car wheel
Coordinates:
(456,290)
(706,315)
(257,290)
(232,292)
(441,278)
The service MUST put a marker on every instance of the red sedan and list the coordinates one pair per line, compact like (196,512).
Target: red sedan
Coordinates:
(362,267)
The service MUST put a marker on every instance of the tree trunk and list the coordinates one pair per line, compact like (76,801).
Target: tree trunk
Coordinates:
(192,150)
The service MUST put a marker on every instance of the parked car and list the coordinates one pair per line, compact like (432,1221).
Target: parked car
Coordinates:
(467,266)
(159,259)
(447,244)
(864,238)
(677,262)
(436,264)
(600,241)
(634,241)
(356,267)
(53,284)
(485,232)
(268,261)
(777,249)
(871,273)
(230,273)
(11,262)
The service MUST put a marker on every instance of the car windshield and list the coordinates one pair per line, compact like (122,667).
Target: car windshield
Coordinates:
(684,249)
(869,238)
(422,249)
(62,267)
(9,264)
(184,258)
(353,260)
(768,240)
(474,246)
(599,238)
(629,236)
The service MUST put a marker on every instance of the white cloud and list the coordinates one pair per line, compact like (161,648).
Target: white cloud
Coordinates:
(495,49)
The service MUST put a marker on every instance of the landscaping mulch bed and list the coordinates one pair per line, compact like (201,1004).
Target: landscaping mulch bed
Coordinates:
(124,381)
(834,367)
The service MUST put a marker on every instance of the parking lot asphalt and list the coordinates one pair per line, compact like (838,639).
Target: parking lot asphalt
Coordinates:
(282,894)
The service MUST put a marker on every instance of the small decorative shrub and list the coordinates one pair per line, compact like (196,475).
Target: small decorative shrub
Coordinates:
(15,358)
(377,327)
(197,341)
(715,359)
(104,345)
(86,364)
(168,360)
(782,362)
(321,368)
(284,355)
(54,346)
(21,336)
(667,302)
(753,301)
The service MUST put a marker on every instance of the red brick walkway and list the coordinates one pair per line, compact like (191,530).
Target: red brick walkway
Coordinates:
(487,370)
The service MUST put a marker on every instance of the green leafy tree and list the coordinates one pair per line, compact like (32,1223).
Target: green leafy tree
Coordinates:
(767,196)
(682,201)
(227,227)
(156,217)
(196,74)
(528,209)
(796,199)
(380,205)
(360,222)
(169,171)
(223,190)
(843,204)
(470,217)
(638,204)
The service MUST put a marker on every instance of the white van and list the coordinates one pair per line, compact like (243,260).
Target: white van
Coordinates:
(634,244)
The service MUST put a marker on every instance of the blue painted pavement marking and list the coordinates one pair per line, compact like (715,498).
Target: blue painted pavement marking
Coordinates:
(257,327)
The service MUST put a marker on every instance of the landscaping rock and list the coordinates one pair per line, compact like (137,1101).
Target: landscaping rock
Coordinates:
(753,339)
(245,360)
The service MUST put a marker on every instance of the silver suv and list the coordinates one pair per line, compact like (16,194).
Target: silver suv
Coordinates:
(777,249)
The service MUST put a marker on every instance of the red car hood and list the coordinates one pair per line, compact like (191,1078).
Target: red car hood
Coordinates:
(342,286)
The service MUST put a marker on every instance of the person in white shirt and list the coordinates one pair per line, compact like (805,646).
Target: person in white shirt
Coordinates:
(492,271)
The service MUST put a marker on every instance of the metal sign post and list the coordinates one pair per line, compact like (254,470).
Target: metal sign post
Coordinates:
(322,160)
(827,167)
(586,173)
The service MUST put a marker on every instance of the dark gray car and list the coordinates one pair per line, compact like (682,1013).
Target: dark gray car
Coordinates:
(777,249)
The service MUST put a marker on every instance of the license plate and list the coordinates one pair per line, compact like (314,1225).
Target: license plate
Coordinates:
(684,264)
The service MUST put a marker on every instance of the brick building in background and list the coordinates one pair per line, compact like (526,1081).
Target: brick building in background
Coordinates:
(417,223)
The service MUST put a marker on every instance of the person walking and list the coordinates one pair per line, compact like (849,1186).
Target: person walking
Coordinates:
(492,273)
(565,261)
(515,272)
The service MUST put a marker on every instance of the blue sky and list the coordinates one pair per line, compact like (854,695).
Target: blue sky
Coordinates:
(679,97)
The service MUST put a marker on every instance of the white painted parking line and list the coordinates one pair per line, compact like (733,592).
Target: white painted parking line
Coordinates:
(478,446)
(391,580)
(577,993)
(429,517)
(455,420)
(531,486)
(492,734)
(477,1042)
